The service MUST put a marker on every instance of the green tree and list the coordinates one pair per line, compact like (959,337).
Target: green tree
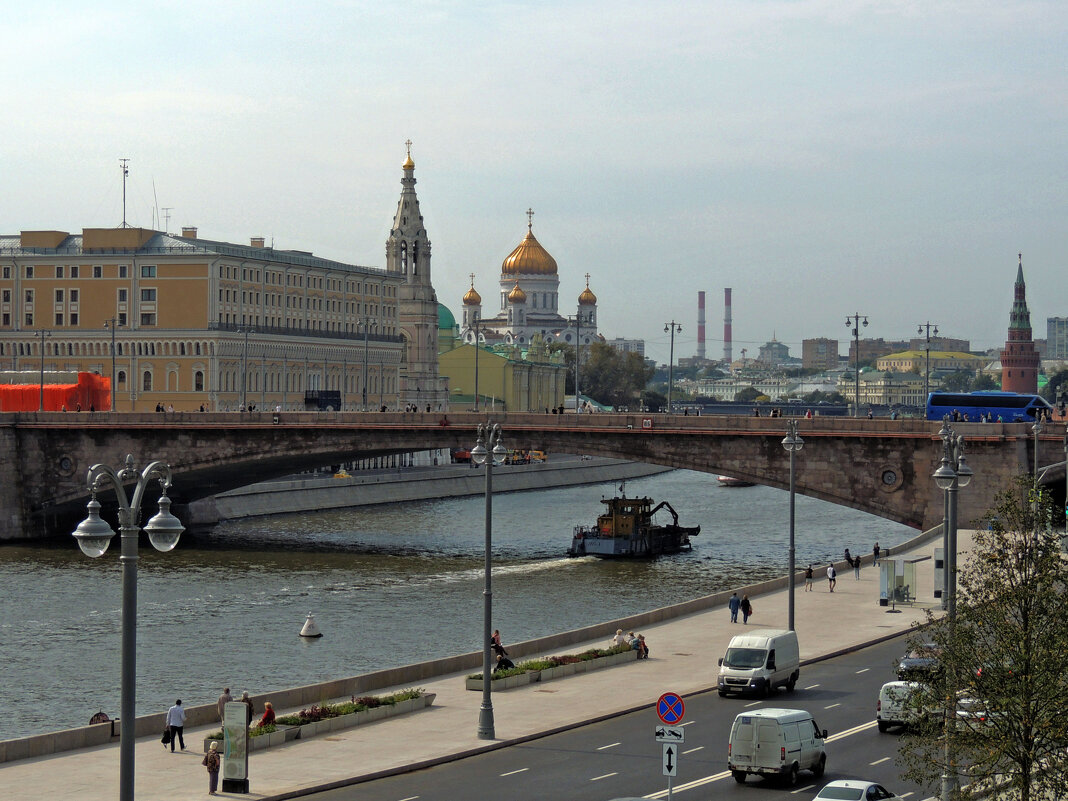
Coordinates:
(747,395)
(984,382)
(1057,383)
(1004,677)
(960,381)
(610,376)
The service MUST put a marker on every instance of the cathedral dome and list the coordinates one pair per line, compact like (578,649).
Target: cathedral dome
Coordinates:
(472,298)
(529,258)
(587,298)
(517,295)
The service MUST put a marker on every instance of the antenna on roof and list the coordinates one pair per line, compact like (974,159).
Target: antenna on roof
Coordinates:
(167,218)
(123,163)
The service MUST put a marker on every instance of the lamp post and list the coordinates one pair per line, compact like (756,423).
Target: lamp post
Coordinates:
(489,451)
(793,443)
(94,535)
(244,368)
(927,350)
(474,324)
(951,474)
(1037,429)
(366,329)
(856,321)
(672,327)
(577,319)
(112,323)
(42,334)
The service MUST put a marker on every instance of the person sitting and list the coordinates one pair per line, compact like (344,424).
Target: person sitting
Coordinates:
(503,663)
(268,715)
(643,649)
(618,639)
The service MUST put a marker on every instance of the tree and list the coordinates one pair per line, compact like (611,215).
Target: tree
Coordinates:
(1057,383)
(606,374)
(960,381)
(983,382)
(1004,677)
(746,395)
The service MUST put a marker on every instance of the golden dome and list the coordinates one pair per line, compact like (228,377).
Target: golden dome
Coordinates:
(587,298)
(517,295)
(472,298)
(408,163)
(529,258)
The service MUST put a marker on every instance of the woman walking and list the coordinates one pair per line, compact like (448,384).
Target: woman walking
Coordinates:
(211,762)
(747,609)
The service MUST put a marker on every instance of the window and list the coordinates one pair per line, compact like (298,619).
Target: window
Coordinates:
(74,271)
(120,378)
(148,295)
(59,318)
(7,296)
(198,381)
(146,381)
(59,271)
(74,296)
(29,296)
(7,319)
(74,318)
(148,271)
(122,270)
(148,319)
(59,296)
(29,318)
(122,318)
(98,271)
(7,272)
(29,271)
(122,296)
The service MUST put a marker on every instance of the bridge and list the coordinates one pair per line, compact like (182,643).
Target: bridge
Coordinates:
(879,466)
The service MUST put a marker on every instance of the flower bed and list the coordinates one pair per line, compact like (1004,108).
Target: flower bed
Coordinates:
(555,667)
(318,719)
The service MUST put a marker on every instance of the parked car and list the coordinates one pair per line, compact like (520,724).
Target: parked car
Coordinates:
(920,663)
(853,790)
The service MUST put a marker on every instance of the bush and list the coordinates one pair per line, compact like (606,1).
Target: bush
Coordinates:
(554,661)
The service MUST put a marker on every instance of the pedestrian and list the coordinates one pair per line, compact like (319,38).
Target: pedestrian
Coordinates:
(268,715)
(848,558)
(733,605)
(251,707)
(211,761)
(643,649)
(503,663)
(176,722)
(856,567)
(618,639)
(495,643)
(832,577)
(808,579)
(875,553)
(747,609)
(224,699)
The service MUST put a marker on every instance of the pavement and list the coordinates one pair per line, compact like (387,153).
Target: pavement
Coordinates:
(683,659)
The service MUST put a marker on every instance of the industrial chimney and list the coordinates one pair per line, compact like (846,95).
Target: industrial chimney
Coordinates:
(727,325)
(701,326)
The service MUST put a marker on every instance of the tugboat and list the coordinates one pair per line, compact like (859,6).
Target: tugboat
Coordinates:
(730,481)
(626,531)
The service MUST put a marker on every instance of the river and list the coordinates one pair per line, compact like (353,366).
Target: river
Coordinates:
(388,585)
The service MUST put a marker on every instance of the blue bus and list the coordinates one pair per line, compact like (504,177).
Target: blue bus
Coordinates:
(1011,407)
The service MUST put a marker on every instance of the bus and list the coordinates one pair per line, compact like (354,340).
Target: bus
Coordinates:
(1011,407)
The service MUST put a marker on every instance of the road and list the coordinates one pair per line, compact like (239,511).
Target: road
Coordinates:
(619,757)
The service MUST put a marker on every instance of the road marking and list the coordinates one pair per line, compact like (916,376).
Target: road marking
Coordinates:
(514,772)
(606,776)
(754,703)
(804,789)
(810,687)
(862,670)
(699,748)
(687,723)
(410,798)
(879,761)
(610,745)
(831,706)
(848,732)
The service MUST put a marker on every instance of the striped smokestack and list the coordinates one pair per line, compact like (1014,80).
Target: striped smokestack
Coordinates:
(701,325)
(727,325)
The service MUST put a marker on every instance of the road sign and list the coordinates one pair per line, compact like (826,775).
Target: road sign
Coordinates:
(670,708)
(670,734)
(671,759)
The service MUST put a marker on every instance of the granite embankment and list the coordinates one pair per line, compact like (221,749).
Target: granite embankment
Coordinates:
(308,493)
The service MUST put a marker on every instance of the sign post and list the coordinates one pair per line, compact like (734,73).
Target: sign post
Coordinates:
(670,708)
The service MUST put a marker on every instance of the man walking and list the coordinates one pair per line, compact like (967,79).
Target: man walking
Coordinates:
(832,577)
(733,605)
(224,699)
(875,553)
(176,722)
(808,579)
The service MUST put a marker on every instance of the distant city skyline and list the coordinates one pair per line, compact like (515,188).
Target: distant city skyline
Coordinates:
(820,157)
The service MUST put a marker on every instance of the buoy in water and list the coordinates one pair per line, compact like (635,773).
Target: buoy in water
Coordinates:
(310,630)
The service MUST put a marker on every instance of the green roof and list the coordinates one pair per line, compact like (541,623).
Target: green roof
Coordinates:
(446,319)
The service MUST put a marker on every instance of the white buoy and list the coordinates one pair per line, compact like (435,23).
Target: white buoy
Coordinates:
(310,630)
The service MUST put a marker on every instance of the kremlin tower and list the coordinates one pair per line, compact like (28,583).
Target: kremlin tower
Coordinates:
(1019,359)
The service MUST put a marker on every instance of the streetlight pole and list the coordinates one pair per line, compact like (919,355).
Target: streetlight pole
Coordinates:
(474,324)
(578,360)
(793,443)
(488,450)
(112,323)
(366,323)
(244,369)
(42,333)
(94,535)
(951,474)
(672,327)
(927,349)
(856,321)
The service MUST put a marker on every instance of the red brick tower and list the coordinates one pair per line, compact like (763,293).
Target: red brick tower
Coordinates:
(1019,359)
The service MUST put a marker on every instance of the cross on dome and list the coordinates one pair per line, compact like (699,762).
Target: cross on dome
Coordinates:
(530,218)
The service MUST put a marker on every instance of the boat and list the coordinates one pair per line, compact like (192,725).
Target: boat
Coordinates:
(626,531)
(730,481)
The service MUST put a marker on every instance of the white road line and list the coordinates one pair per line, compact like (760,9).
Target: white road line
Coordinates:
(410,798)
(879,761)
(862,670)
(810,687)
(606,776)
(610,745)
(831,706)
(848,732)
(804,789)
(754,703)
(514,772)
(699,748)
(687,723)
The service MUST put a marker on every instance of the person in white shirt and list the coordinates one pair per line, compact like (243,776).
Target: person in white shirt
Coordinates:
(619,639)
(176,722)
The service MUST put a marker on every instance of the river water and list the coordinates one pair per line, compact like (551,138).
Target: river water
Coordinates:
(388,585)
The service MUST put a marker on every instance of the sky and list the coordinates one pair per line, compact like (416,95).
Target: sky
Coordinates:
(820,157)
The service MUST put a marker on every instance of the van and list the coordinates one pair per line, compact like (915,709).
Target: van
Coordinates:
(760,661)
(895,706)
(777,743)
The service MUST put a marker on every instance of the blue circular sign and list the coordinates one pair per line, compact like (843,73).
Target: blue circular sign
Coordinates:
(670,708)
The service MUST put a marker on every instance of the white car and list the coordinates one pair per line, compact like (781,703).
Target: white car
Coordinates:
(853,790)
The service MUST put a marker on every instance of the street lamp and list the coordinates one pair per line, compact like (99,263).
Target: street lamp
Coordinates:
(793,443)
(42,334)
(927,349)
(366,329)
(672,327)
(855,321)
(474,324)
(578,358)
(94,535)
(488,451)
(112,323)
(952,473)
(244,368)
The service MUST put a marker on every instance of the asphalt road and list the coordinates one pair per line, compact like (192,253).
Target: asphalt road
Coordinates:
(619,757)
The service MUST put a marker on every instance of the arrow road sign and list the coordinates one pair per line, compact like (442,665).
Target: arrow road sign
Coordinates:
(671,760)
(670,734)
(670,708)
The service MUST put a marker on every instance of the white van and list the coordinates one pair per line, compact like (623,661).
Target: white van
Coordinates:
(759,661)
(776,742)
(895,706)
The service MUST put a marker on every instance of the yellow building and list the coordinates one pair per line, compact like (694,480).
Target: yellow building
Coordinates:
(187,322)
(916,361)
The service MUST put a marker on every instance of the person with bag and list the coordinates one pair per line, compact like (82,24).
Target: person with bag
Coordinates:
(166,738)
(176,724)
(747,608)
(211,762)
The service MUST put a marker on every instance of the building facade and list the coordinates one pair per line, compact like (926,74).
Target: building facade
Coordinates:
(916,361)
(1056,338)
(819,354)
(1019,359)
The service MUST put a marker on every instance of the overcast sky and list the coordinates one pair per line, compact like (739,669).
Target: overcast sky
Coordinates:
(820,157)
